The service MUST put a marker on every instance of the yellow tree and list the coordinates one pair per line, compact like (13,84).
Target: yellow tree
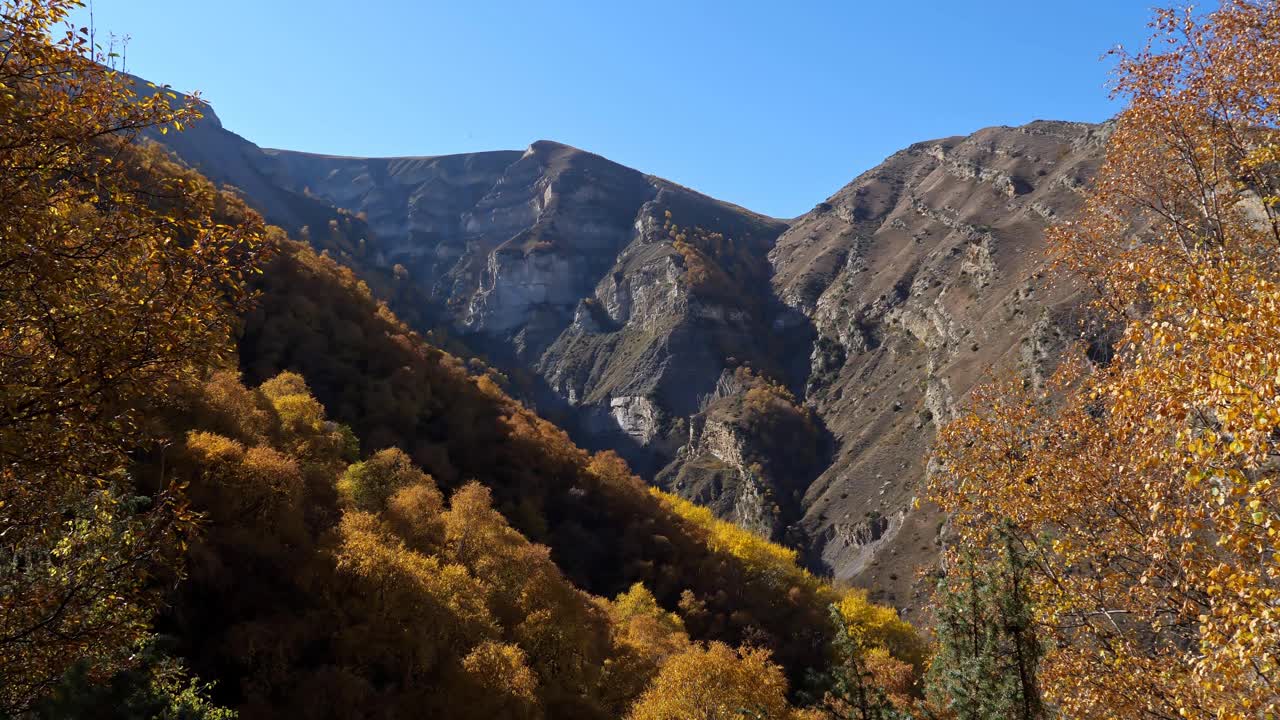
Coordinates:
(715,682)
(414,611)
(370,484)
(114,281)
(644,636)
(1143,489)
(561,629)
(502,685)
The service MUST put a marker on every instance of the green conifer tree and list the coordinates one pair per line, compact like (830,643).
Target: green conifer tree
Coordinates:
(988,651)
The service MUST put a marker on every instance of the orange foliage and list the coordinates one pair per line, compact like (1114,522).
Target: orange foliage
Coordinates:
(1144,491)
(716,683)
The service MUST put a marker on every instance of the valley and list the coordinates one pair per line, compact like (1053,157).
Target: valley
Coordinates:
(639,314)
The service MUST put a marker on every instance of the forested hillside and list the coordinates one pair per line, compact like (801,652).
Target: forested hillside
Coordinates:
(369,527)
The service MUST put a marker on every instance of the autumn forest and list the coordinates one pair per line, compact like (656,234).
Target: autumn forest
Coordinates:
(240,478)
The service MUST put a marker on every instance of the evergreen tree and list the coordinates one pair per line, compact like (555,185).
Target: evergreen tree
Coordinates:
(988,652)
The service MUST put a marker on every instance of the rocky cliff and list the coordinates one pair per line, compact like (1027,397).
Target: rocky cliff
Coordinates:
(562,263)
(749,455)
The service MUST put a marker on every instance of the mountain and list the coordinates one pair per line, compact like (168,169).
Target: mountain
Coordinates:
(789,375)
(923,276)
(295,505)
(561,262)
(570,272)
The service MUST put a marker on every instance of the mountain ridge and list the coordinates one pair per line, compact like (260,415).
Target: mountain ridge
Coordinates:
(625,306)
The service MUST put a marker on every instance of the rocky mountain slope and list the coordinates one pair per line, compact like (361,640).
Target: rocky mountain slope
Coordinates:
(922,277)
(563,263)
(790,376)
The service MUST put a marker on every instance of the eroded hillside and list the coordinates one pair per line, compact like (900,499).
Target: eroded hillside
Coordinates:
(921,277)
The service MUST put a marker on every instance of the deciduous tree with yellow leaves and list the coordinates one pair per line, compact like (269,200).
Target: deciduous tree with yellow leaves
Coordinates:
(716,682)
(109,290)
(1143,489)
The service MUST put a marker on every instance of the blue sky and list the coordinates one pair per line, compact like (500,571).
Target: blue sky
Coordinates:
(772,105)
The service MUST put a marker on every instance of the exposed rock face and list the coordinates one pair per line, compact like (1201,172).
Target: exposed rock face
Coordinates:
(713,469)
(749,456)
(552,261)
(509,241)
(879,310)
(562,262)
(922,277)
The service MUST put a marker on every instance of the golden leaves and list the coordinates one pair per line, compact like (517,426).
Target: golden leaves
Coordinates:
(115,282)
(369,485)
(1152,478)
(769,560)
(716,683)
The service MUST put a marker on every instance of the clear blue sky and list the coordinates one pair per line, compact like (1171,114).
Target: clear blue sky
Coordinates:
(772,105)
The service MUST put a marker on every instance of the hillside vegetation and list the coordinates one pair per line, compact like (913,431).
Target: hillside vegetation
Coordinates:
(369,528)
